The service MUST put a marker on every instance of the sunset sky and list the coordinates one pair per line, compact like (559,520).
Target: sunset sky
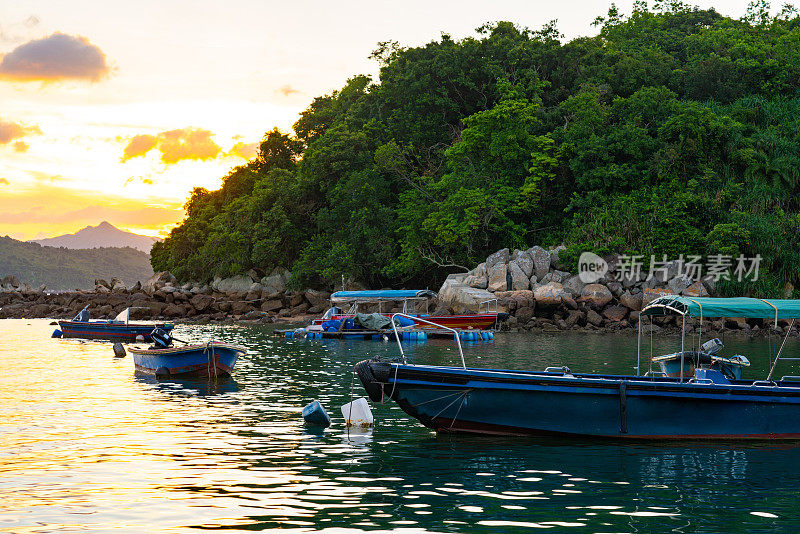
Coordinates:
(114,111)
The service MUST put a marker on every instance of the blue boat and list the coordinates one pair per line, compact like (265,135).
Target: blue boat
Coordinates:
(704,405)
(118,329)
(210,359)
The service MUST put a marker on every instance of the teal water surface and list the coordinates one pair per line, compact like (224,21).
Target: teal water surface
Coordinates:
(87,446)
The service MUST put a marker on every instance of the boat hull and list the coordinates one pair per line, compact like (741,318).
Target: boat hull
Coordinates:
(504,402)
(110,331)
(213,359)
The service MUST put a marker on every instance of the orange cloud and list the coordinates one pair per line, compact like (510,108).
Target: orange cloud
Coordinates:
(175,145)
(139,145)
(10,131)
(288,90)
(53,58)
(187,143)
(244,150)
(3,181)
(21,146)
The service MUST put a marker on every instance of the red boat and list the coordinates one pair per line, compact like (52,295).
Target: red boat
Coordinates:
(411,299)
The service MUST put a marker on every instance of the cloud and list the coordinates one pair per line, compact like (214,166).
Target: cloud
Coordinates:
(147,181)
(54,58)
(244,150)
(21,146)
(187,144)
(139,145)
(9,131)
(175,145)
(288,90)
(3,181)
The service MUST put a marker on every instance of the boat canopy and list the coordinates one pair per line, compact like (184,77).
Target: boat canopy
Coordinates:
(724,307)
(382,294)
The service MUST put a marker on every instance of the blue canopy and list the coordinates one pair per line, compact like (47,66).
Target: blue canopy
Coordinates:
(724,307)
(382,294)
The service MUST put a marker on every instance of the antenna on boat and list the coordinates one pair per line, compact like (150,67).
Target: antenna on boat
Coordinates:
(343,288)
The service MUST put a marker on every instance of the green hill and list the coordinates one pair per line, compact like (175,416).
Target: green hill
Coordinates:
(672,131)
(62,268)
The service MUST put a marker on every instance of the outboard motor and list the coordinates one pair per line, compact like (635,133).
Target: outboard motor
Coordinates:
(712,346)
(83,316)
(161,338)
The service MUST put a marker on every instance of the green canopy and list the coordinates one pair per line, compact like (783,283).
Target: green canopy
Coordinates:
(724,307)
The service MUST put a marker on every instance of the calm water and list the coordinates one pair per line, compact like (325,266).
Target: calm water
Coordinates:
(87,446)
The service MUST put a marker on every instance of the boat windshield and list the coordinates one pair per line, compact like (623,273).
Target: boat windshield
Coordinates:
(123,316)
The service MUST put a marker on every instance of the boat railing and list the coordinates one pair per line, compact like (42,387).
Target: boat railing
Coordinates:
(488,303)
(421,320)
(564,370)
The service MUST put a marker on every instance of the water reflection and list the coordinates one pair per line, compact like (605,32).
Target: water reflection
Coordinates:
(86,445)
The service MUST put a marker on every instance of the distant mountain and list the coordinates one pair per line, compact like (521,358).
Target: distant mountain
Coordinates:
(103,235)
(63,268)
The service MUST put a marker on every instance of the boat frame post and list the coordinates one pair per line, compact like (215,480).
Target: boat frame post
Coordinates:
(639,347)
(419,319)
(683,343)
(778,356)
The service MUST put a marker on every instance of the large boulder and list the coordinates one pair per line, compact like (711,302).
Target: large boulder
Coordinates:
(118,286)
(549,295)
(519,280)
(501,256)
(594,318)
(615,313)
(98,282)
(574,285)
(631,301)
(497,276)
(202,302)
(514,300)
(462,298)
(271,305)
(276,282)
(234,284)
(597,295)
(524,261)
(679,283)
(10,281)
(541,261)
(696,290)
(317,299)
(477,277)
(157,281)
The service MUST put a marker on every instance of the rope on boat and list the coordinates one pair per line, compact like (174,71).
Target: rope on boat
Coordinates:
(210,351)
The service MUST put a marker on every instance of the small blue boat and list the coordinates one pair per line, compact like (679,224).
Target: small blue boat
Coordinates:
(210,359)
(118,329)
(704,405)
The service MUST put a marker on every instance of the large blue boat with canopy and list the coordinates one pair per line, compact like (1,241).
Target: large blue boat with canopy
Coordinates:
(699,395)
(347,304)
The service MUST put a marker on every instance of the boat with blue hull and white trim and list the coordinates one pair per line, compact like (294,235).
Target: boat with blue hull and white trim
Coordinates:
(211,359)
(704,405)
(118,329)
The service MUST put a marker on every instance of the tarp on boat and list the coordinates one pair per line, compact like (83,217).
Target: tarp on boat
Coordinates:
(372,321)
(724,307)
(381,294)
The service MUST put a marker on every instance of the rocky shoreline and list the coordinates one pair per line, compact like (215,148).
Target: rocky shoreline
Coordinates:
(560,302)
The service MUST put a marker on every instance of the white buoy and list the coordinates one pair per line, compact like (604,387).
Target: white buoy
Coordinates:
(357,413)
(140,338)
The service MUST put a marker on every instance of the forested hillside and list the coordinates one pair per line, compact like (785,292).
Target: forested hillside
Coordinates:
(63,268)
(675,130)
